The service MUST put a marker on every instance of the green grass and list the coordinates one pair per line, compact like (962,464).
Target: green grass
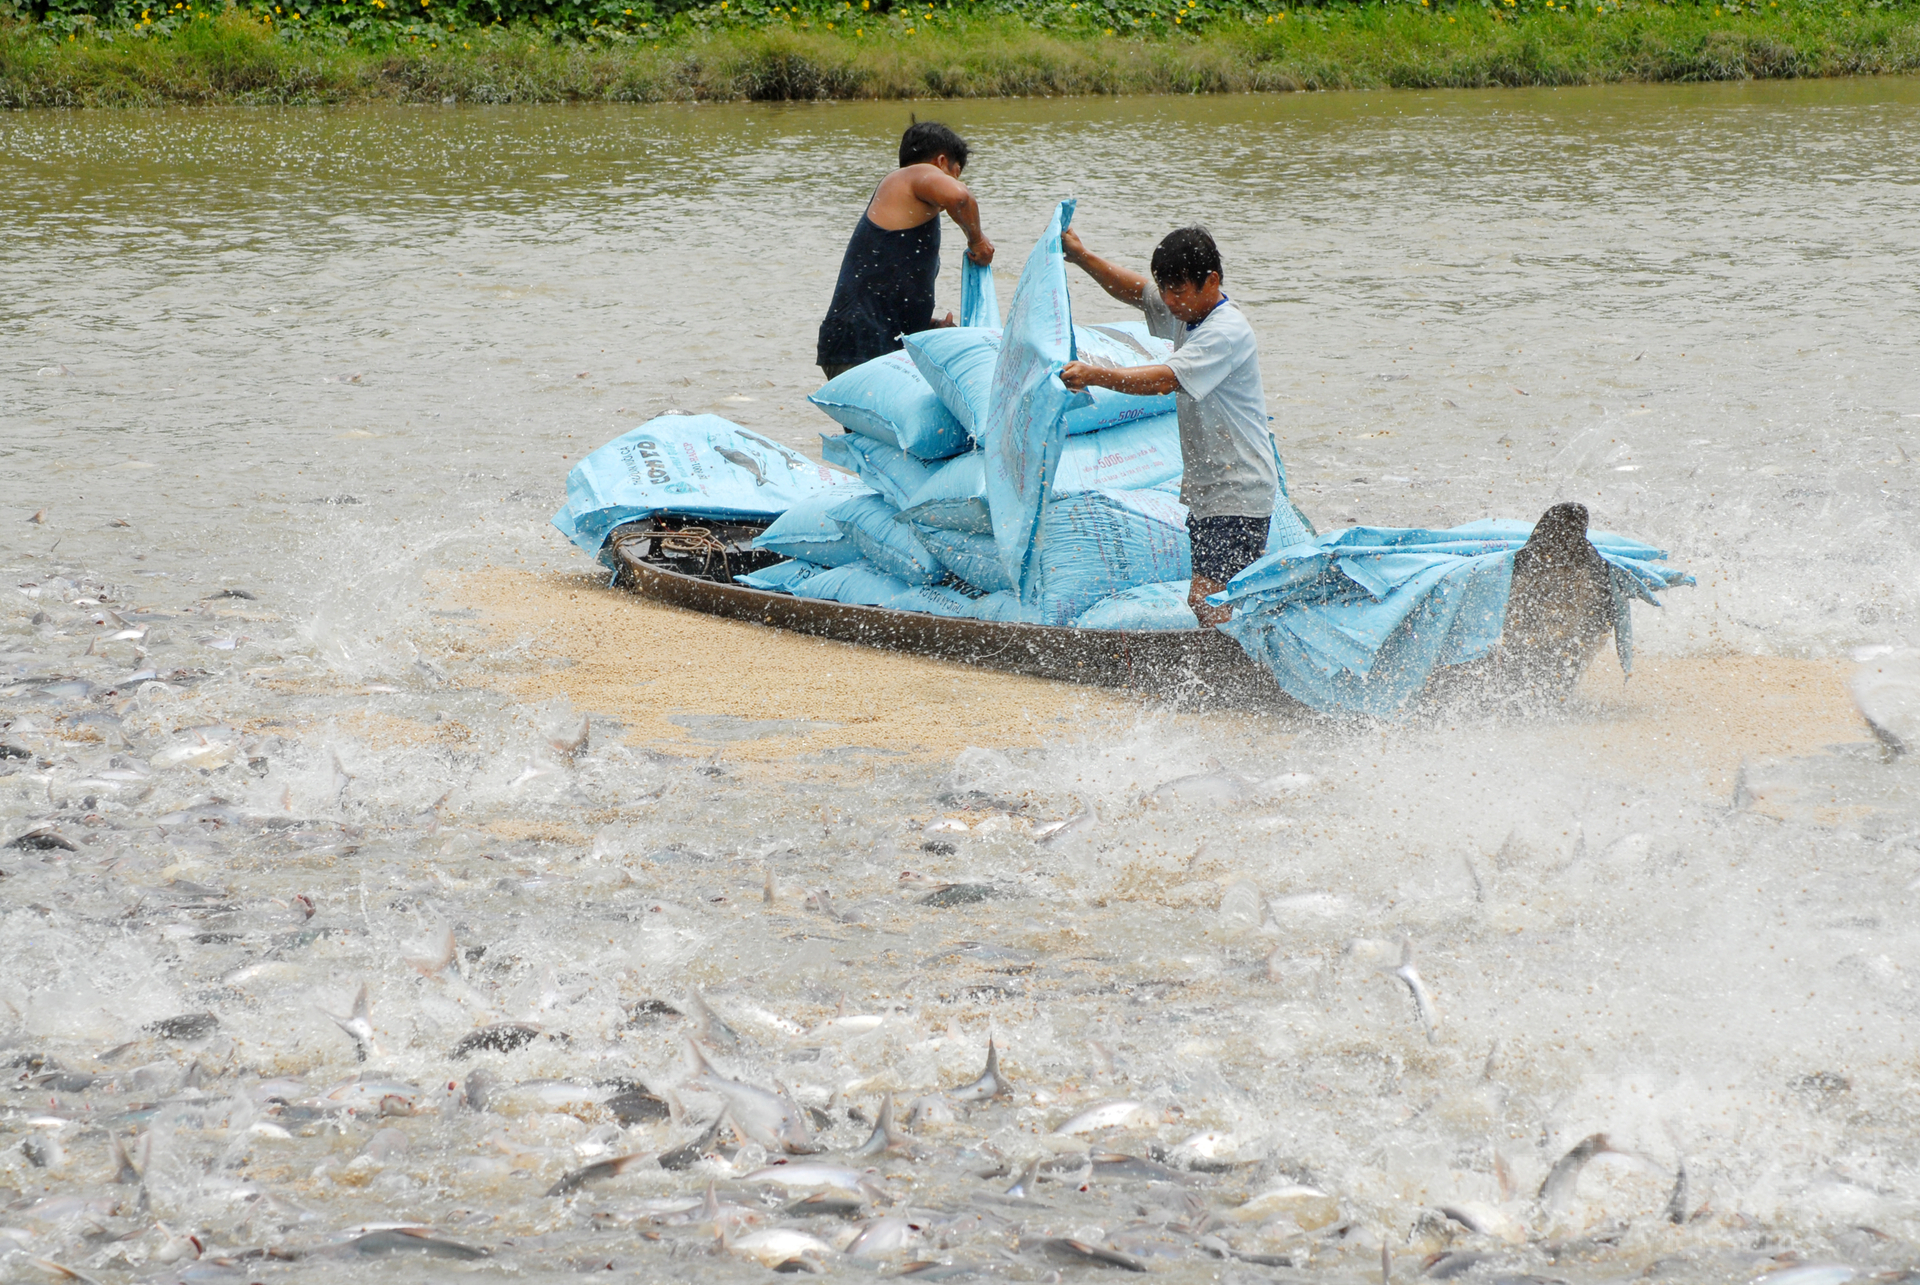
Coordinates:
(235,57)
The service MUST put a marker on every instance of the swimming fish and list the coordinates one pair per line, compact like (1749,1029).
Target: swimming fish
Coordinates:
(710,1028)
(768,1118)
(1028,1181)
(1556,1192)
(885,1137)
(778,1247)
(1111,1114)
(991,1083)
(1422,1001)
(1082,822)
(571,743)
(439,952)
(740,459)
(818,1174)
(575,1179)
(359,1024)
(1064,1249)
(417,1240)
(882,1236)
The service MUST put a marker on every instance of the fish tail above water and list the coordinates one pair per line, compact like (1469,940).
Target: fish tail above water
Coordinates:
(359,1023)
(710,1027)
(991,1083)
(1029,1179)
(885,1137)
(1417,987)
(1676,1211)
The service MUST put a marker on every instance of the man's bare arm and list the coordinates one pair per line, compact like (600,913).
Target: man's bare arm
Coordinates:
(928,184)
(1127,287)
(1141,381)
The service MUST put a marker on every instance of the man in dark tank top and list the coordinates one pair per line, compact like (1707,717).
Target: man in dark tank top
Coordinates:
(886,279)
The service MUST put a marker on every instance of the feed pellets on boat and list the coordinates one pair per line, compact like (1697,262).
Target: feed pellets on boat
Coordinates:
(861,584)
(889,470)
(1135,456)
(1097,543)
(1162,605)
(888,400)
(696,466)
(781,577)
(805,531)
(958,364)
(893,547)
(972,558)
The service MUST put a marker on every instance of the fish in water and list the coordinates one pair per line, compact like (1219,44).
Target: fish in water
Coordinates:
(411,1240)
(1028,1181)
(437,952)
(885,1137)
(710,1027)
(819,1174)
(1112,1114)
(740,459)
(1417,987)
(1556,1192)
(359,1024)
(569,743)
(991,1083)
(883,1236)
(1064,1249)
(501,1037)
(779,1246)
(768,1118)
(1082,822)
(575,1179)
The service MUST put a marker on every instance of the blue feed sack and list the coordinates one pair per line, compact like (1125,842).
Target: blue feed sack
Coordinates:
(889,470)
(697,466)
(1162,605)
(979,301)
(893,547)
(861,584)
(781,577)
(888,400)
(1094,544)
(1004,607)
(1139,456)
(806,532)
(958,362)
(973,558)
(1356,621)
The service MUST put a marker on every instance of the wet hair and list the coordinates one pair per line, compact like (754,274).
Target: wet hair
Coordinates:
(1185,256)
(926,139)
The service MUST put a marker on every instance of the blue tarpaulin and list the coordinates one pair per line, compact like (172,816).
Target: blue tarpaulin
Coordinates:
(1355,621)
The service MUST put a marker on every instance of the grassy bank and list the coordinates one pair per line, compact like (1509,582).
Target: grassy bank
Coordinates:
(837,51)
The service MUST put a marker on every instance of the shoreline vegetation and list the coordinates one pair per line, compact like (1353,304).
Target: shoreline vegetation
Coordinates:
(108,53)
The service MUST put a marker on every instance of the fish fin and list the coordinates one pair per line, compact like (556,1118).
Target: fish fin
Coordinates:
(701,1067)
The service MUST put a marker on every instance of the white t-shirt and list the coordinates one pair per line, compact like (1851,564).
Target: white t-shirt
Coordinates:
(1225,444)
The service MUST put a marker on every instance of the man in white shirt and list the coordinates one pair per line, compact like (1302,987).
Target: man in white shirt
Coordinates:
(1225,446)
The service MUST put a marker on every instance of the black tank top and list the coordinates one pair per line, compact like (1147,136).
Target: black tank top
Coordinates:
(885,290)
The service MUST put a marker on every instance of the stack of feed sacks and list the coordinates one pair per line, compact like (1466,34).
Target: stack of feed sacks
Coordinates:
(919,534)
(991,491)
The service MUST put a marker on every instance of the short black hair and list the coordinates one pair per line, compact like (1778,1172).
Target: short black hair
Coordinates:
(1185,256)
(926,139)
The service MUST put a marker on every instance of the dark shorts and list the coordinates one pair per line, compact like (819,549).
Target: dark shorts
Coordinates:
(1224,547)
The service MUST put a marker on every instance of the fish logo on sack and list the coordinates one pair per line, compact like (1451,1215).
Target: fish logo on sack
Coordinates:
(740,459)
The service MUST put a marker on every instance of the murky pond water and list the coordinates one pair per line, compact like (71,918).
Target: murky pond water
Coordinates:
(340,362)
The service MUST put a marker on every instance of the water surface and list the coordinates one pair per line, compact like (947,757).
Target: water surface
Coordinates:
(341,359)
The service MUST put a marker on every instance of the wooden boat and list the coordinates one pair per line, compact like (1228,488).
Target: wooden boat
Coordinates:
(1556,620)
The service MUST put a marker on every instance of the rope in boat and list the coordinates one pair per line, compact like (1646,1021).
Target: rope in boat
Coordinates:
(685,541)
